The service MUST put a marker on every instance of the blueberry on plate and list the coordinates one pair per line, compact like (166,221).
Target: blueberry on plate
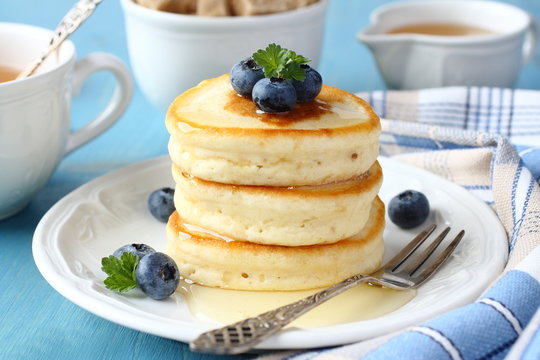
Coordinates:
(274,95)
(244,75)
(140,250)
(408,209)
(161,203)
(157,275)
(310,87)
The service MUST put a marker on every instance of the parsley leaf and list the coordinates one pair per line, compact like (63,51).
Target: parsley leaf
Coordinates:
(121,272)
(293,71)
(280,62)
(272,59)
(299,59)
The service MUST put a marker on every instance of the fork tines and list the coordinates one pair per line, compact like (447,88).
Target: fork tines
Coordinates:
(411,268)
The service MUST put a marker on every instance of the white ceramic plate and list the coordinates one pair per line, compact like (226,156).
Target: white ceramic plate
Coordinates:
(110,211)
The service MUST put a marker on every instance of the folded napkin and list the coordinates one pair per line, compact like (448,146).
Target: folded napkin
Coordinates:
(488,141)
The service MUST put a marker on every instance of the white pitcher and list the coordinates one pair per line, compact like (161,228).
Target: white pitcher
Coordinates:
(415,61)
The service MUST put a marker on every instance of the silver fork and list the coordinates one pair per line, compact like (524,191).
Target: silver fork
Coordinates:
(242,336)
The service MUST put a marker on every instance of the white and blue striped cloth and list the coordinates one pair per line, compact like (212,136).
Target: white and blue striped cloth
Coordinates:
(487,140)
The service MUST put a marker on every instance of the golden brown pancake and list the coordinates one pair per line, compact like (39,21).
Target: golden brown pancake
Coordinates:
(290,216)
(210,260)
(219,136)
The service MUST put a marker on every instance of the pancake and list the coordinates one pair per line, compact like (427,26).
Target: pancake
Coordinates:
(289,216)
(219,136)
(209,260)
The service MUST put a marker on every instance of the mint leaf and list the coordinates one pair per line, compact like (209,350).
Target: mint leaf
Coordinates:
(121,272)
(280,62)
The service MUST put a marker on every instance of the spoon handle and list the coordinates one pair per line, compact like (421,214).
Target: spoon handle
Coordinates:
(73,19)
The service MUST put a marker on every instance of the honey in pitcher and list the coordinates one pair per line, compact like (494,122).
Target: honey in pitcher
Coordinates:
(441,30)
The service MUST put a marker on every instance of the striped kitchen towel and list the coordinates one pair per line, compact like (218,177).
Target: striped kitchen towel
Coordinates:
(488,141)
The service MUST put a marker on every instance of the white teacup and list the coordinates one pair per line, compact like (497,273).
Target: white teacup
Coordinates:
(171,53)
(35,112)
(415,61)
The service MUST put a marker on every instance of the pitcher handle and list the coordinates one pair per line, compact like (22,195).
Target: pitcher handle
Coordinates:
(533,33)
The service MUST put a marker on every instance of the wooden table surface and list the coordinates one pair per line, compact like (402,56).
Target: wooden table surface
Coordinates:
(38,323)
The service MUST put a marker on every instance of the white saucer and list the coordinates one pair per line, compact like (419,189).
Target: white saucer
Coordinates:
(108,212)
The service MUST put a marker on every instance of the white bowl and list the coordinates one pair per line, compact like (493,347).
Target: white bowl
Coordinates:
(170,52)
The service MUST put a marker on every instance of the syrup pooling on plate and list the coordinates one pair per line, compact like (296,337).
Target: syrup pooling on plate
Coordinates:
(363,302)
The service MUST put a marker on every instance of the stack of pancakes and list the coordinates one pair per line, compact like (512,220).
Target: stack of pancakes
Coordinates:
(273,201)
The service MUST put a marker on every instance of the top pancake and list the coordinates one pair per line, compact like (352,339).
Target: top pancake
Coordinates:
(219,136)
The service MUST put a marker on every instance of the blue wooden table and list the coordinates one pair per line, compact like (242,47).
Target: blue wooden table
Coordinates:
(38,323)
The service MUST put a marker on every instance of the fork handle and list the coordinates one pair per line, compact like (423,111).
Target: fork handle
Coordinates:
(245,334)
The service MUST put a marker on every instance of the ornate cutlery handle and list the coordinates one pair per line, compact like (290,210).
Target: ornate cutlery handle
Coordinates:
(73,19)
(245,334)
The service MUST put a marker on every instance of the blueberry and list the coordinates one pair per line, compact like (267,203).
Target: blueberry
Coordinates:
(138,249)
(308,89)
(161,203)
(274,95)
(244,75)
(157,275)
(408,209)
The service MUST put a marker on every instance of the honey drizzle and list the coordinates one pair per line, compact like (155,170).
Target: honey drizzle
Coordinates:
(311,110)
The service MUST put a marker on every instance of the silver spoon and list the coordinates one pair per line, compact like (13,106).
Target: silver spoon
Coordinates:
(73,19)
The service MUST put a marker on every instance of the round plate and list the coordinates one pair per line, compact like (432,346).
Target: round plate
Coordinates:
(110,211)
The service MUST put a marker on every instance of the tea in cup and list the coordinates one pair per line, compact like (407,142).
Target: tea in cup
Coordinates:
(35,111)
(425,44)
(8,73)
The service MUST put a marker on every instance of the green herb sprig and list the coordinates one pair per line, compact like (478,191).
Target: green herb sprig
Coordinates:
(282,63)
(121,272)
